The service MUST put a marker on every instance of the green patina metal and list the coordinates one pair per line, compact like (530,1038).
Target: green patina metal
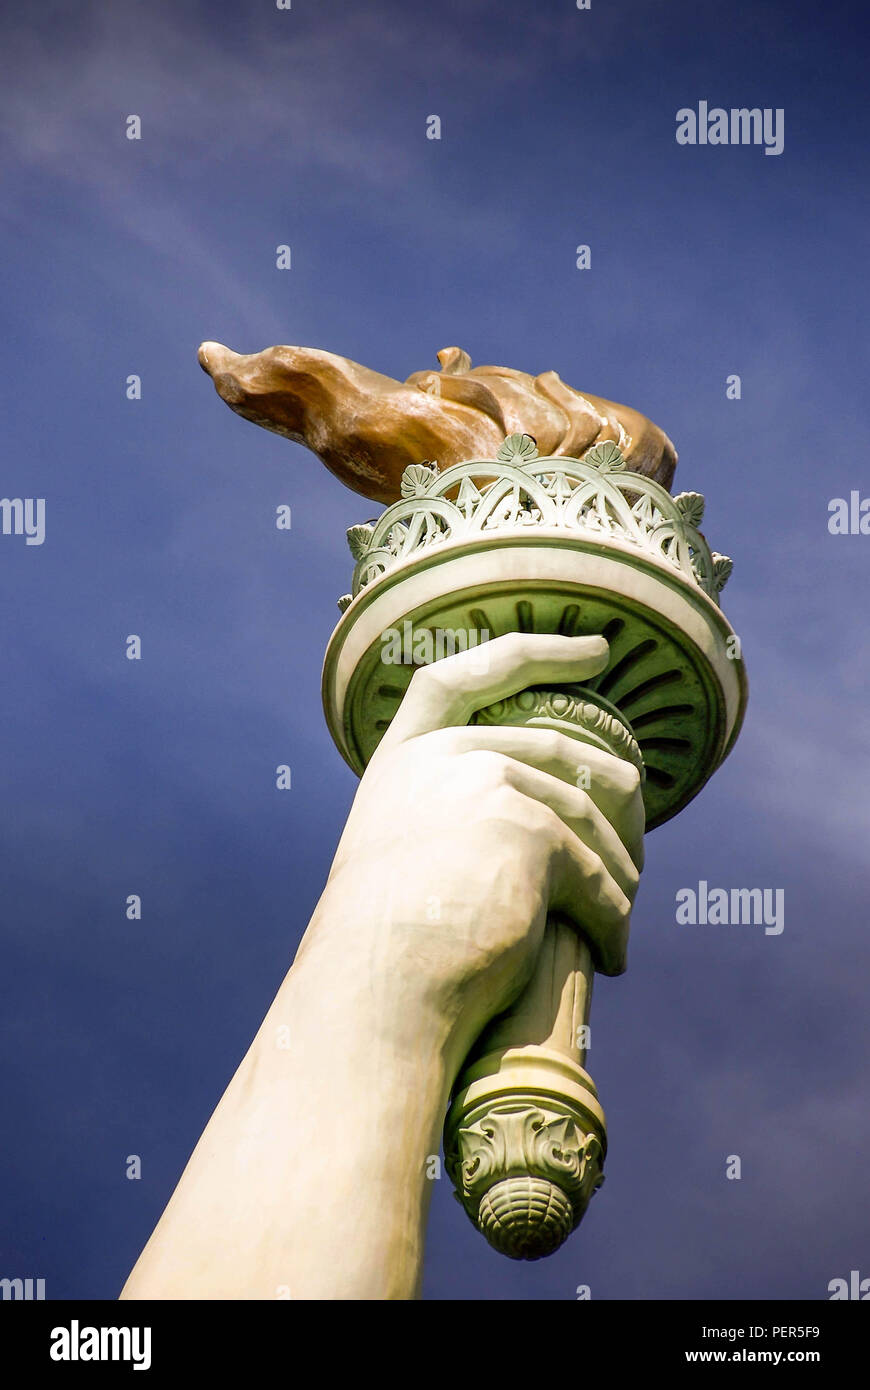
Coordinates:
(662,684)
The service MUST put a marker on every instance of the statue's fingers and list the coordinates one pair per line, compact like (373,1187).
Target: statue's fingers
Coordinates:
(449,691)
(587,893)
(578,811)
(580,885)
(611,782)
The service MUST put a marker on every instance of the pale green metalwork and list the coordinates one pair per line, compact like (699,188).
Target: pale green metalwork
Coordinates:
(596,496)
(595,514)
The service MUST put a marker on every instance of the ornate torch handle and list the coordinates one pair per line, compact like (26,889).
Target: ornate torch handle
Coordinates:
(525,1135)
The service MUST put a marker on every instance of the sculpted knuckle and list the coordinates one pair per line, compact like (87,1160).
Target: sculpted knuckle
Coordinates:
(425,678)
(612,907)
(553,746)
(583,812)
(485,768)
(632,779)
(513,644)
(620,777)
(623,915)
(501,806)
(596,874)
(544,824)
(632,882)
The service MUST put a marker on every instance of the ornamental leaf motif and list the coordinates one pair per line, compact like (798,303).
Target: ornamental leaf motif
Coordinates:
(518,448)
(722,567)
(596,494)
(358,538)
(606,456)
(396,538)
(416,478)
(510,1140)
(344,602)
(468,498)
(690,505)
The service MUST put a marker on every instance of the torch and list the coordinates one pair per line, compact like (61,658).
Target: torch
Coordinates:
(578,537)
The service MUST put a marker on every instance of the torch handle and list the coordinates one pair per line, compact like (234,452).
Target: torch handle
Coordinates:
(525,1135)
(553,1010)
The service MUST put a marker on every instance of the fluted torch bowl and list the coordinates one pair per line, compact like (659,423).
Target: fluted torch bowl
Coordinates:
(554,545)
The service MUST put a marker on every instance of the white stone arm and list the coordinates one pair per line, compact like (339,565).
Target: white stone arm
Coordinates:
(310,1180)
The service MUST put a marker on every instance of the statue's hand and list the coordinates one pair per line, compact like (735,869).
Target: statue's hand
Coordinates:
(461,839)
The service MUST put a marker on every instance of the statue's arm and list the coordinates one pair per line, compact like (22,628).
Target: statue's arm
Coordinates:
(309,1180)
(312,1177)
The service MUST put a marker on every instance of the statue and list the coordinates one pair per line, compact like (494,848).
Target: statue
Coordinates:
(492,854)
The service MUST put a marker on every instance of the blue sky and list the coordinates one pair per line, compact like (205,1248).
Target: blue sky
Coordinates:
(307,127)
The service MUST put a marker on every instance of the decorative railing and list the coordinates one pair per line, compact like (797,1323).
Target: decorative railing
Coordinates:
(593,496)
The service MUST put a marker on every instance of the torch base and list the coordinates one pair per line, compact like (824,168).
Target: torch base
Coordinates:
(524,1145)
